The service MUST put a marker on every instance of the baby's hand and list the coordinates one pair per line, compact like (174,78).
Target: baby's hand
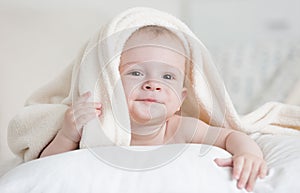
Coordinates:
(246,169)
(78,115)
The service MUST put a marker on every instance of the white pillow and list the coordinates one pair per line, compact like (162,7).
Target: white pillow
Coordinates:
(148,169)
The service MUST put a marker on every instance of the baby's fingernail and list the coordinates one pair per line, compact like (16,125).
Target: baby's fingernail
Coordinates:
(240,185)
(249,189)
(236,176)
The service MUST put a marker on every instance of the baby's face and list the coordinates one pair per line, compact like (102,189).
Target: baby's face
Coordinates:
(152,77)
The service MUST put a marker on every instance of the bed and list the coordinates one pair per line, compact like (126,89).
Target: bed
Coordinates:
(175,168)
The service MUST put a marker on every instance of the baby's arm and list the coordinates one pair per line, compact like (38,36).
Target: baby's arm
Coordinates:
(247,160)
(76,117)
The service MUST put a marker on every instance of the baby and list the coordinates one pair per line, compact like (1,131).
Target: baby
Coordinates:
(152,67)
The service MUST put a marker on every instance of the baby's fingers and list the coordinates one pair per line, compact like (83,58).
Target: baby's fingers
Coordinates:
(87,106)
(84,111)
(224,162)
(83,97)
(253,177)
(82,120)
(238,164)
(244,176)
(263,170)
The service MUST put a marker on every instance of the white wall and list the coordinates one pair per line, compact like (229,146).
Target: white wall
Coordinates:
(243,20)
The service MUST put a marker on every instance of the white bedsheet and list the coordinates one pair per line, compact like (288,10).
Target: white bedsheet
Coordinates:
(188,168)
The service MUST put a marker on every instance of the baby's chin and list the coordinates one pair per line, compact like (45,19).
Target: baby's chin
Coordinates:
(147,113)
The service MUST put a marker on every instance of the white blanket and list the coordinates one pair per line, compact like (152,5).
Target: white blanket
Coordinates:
(190,171)
(96,70)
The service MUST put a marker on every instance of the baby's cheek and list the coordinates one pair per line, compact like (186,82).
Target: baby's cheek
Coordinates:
(128,89)
(173,99)
(131,86)
(175,92)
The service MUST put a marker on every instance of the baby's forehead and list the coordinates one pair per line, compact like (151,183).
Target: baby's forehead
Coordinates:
(153,54)
(164,38)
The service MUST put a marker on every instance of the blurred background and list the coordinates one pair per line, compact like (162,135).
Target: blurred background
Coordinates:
(255,44)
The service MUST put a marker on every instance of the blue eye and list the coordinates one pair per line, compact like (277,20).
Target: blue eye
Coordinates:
(135,73)
(168,76)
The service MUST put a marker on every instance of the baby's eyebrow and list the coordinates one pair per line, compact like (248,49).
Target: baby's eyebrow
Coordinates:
(128,64)
(175,71)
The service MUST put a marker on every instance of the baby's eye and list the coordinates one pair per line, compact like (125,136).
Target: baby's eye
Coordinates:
(135,73)
(168,76)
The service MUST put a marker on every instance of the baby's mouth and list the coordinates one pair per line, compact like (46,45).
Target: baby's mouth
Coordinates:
(149,100)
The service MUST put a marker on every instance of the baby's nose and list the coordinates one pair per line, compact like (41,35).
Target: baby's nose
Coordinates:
(151,86)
